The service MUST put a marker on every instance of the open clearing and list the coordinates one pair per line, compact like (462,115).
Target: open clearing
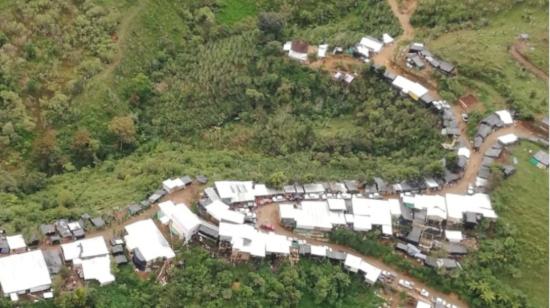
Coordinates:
(522,202)
(486,65)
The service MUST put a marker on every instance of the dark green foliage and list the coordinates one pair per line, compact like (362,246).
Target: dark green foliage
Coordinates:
(477,281)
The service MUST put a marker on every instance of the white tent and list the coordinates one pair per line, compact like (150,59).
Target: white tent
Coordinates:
(146,237)
(322,51)
(83,249)
(171,185)
(352,263)
(421,304)
(221,212)
(387,39)
(318,251)
(183,222)
(508,139)
(336,204)
(98,268)
(414,89)
(453,236)
(463,151)
(457,205)
(16,242)
(371,272)
(361,223)
(371,44)
(505,116)
(24,272)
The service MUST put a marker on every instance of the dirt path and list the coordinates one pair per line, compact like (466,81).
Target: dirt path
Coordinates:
(516,53)
(116,228)
(403,14)
(121,35)
(474,163)
(269,214)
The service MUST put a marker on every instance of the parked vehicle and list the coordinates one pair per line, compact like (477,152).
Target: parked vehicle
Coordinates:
(267,227)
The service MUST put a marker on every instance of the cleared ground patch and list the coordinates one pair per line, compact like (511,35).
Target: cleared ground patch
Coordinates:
(522,202)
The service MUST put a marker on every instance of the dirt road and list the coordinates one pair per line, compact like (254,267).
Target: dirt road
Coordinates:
(474,163)
(516,52)
(269,214)
(403,14)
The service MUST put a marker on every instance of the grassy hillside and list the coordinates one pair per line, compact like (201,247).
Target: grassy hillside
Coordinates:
(522,202)
(486,67)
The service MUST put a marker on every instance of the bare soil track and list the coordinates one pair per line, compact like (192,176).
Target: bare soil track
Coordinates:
(516,52)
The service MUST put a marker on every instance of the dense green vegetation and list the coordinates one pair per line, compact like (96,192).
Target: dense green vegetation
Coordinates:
(180,91)
(522,201)
(478,282)
(204,281)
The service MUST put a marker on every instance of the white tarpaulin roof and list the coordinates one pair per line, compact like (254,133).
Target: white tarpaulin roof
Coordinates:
(320,251)
(457,205)
(463,151)
(508,139)
(505,116)
(336,204)
(172,184)
(16,242)
(184,222)
(221,212)
(322,51)
(371,44)
(422,304)
(371,272)
(98,268)
(86,248)
(240,191)
(378,211)
(275,243)
(361,223)
(352,262)
(410,87)
(314,215)
(25,271)
(387,39)
(434,204)
(145,236)
(453,236)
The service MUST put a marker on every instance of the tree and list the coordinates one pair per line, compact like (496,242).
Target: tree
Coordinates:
(124,130)
(46,152)
(271,24)
(277,179)
(140,89)
(84,147)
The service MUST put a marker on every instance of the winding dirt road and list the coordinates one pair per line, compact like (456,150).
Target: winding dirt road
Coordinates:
(516,53)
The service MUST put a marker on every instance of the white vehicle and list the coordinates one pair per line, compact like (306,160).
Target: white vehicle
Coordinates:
(424,293)
(405,284)
(471,189)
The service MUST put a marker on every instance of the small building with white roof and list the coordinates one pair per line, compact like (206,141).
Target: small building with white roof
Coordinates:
(172,185)
(90,257)
(16,243)
(322,51)
(371,272)
(369,44)
(413,89)
(24,273)
(146,243)
(458,205)
(181,220)
(221,212)
(505,116)
(508,139)
(352,263)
